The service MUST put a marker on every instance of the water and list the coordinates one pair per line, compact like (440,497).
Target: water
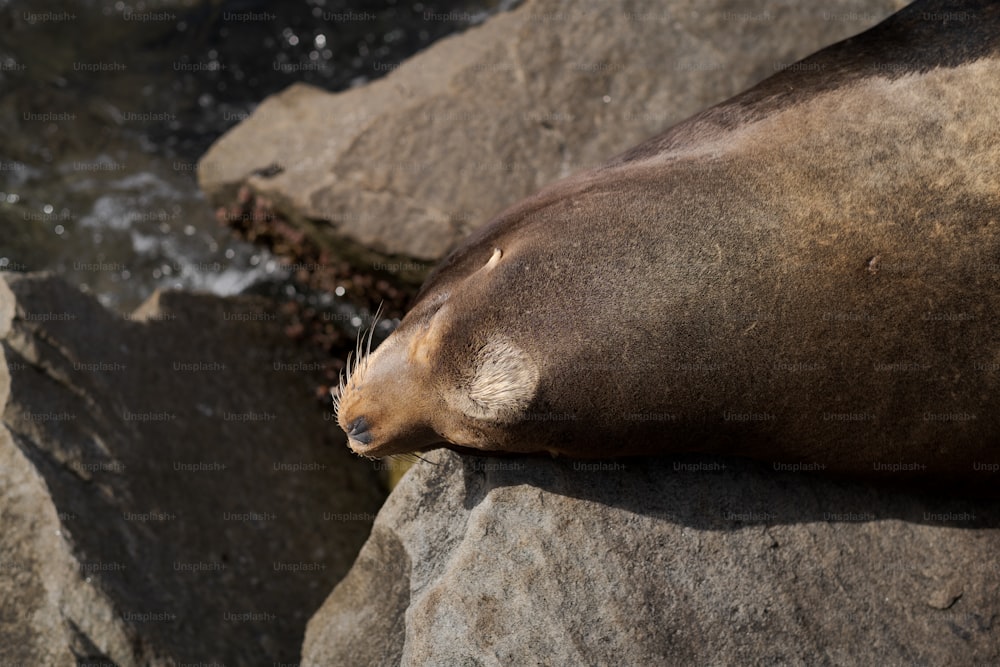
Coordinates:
(105,107)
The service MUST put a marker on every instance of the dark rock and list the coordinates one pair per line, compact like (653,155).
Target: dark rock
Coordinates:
(654,562)
(170,487)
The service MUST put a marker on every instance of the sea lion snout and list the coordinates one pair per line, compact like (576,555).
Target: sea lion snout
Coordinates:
(380,405)
(436,381)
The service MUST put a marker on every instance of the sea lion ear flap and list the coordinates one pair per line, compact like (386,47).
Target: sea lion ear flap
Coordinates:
(501,384)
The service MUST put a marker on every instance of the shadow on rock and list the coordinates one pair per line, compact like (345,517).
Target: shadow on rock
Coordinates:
(180,494)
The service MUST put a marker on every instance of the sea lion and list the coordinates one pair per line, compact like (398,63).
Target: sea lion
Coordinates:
(808,273)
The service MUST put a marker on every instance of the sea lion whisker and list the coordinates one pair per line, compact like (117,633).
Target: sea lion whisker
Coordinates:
(371,330)
(412,457)
(427,461)
(342,380)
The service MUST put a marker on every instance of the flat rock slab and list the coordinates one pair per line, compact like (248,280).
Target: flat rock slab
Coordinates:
(403,168)
(484,561)
(170,490)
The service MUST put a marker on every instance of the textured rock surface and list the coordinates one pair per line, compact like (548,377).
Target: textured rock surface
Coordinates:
(170,491)
(408,164)
(510,562)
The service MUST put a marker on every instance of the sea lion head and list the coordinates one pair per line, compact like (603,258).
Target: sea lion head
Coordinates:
(440,378)
(502,348)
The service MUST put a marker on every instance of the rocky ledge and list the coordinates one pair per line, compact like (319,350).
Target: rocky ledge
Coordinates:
(171,491)
(662,562)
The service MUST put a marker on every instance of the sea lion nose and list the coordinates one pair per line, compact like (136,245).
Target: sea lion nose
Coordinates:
(358,430)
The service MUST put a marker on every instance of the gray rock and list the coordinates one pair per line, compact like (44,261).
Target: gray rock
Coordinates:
(652,562)
(405,166)
(170,489)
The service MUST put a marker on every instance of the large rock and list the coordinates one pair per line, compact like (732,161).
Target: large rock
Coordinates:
(169,487)
(653,562)
(408,164)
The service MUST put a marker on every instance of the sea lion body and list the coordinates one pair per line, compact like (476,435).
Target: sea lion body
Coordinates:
(807,273)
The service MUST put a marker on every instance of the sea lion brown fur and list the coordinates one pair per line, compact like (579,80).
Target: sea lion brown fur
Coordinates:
(808,272)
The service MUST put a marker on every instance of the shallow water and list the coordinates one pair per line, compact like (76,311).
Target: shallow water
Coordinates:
(105,108)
